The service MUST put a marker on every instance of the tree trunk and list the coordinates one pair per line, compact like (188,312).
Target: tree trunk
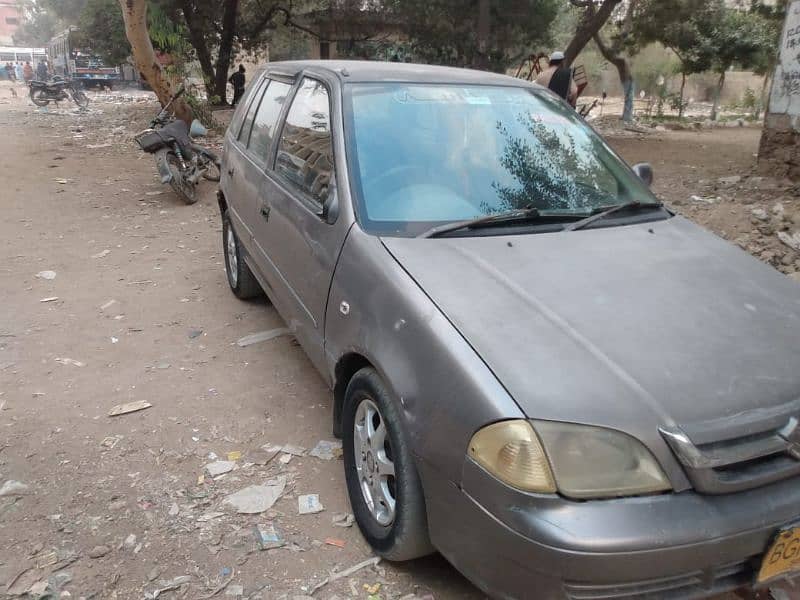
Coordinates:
(134,13)
(590,24)
(482,58)
(224,55)
(764,93)
(683,88)
(625,75)
(718,96)
(198,41)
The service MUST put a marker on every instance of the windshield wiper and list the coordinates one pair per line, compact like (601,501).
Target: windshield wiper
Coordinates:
(610,211)
(524,214)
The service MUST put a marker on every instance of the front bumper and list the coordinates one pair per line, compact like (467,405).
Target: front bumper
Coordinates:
(686,545)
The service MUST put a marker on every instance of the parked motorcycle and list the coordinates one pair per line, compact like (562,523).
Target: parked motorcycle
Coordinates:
(45,92)
(180,162)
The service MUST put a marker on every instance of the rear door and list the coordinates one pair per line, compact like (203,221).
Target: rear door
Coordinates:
(297,231)
(240,181)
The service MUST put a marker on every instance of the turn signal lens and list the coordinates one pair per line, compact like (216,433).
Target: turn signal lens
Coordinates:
(512,452)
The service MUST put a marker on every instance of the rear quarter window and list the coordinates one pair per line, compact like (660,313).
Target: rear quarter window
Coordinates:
(244,134)
(241,110)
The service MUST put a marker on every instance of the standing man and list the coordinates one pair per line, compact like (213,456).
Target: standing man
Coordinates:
(558,79)
(27,71)
(18,72)
(41,70)
(237,80)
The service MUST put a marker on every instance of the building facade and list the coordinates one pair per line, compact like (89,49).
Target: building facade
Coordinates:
(10,20)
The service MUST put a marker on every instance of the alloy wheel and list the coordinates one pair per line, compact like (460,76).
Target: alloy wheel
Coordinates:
(374,462)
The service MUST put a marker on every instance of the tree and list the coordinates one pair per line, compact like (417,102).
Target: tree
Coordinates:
(486,34)
(613,53)
(594,16)
(134,13)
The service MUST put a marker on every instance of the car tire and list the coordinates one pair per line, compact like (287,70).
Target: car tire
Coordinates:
(397,533)
(240,278)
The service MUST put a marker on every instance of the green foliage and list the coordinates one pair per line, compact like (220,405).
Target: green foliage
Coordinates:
(445,32)
(102,29)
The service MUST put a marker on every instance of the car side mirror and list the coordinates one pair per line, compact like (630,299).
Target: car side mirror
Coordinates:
(645,172)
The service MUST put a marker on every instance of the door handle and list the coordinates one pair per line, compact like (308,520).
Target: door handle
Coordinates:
(230,172)
(265,208)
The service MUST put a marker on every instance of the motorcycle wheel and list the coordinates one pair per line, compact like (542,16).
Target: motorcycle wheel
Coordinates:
(80,98)
(39,97)
(186,191)
(212,167)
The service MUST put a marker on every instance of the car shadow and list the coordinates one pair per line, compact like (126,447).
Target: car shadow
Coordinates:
(433,573)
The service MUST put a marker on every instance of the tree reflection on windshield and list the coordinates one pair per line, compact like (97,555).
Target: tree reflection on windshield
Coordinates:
(555,169)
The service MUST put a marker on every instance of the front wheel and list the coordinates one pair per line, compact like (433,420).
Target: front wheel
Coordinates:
(80,98)
(185,190)
(39,97)
(382,481)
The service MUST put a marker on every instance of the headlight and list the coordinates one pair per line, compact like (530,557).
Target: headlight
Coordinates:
(580,461)
(512,452)
(594,462)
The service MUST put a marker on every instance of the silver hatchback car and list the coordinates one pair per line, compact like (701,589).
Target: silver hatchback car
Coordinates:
(538,369)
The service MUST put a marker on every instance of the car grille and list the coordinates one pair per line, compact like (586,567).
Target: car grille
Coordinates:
(741,463)
(697,584)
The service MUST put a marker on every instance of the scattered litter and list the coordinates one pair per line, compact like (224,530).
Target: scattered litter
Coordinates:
(327,450)
(70,361)
(194,333)
(114,340)
(153,193)
(174,509)
(263,455)
(167,585)
(13,488)
(50,299)
(235,591)
(309,504)
(701,200)
(130,542)
(220,467)
(234,455)
(110,441)
(99,551)
(343,520)
(108,304)
(209,516)
(372,589)
(793,241)
(256,498)
(97,146)
(221,586)
(335,542)
(294,450)
(346,573)
(49,275)
(268,537)
(47,559)
(61,180)
(285,459)
(760,214)
(262,336)
(124,409)
(102,254)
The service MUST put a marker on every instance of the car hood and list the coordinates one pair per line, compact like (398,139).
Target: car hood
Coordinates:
(651,324)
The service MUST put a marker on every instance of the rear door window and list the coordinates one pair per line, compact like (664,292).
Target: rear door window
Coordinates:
(266,120)
(244,134)
(305,154)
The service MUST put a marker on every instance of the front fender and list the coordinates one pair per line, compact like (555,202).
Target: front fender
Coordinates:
(163,166)
(444,389)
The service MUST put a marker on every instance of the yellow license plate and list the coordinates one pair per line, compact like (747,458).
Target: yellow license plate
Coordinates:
(783,555)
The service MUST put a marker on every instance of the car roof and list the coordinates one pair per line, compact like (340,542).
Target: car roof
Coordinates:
(362,71)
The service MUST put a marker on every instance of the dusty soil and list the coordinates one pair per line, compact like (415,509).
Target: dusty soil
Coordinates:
(139,310)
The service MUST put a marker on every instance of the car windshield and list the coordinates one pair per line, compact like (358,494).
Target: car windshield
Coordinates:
(423,155)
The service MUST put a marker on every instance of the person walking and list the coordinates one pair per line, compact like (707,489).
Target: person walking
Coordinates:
(558,79)
(10,72)
(41,70)
(27,72)
(237,80)
(19,73)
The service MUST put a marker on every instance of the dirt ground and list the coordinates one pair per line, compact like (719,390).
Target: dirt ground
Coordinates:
(139,310)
